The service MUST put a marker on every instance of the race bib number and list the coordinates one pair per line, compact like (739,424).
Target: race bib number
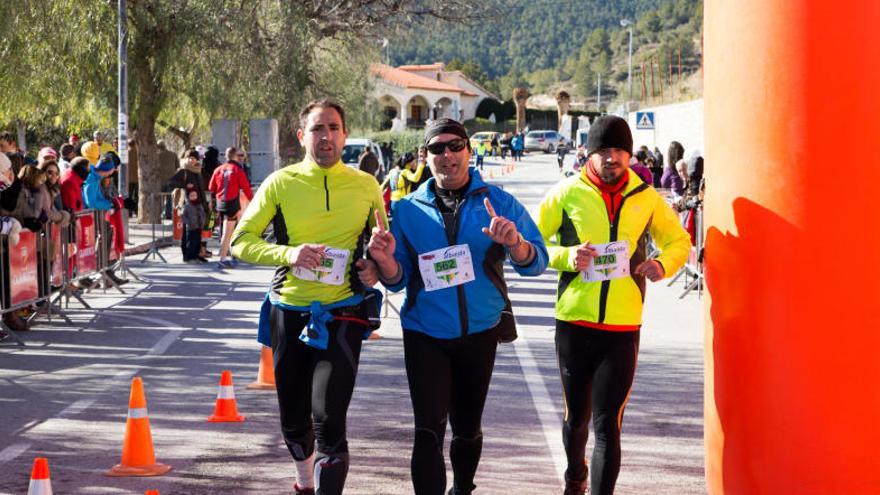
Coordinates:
(612,262)
(447,267)
(331,271)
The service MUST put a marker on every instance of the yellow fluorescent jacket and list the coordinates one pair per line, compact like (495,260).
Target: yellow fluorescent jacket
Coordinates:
(573,212)
(308,204)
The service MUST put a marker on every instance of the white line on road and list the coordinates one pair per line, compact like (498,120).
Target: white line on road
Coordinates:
(544,406)
(13,451)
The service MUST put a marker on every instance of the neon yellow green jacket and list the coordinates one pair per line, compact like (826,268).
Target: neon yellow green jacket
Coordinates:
(308,204)
(405,181)
(573,212)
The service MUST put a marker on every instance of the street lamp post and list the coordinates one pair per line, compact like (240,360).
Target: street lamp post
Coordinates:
(629,80)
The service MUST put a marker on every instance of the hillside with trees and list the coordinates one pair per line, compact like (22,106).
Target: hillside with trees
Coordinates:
(548,45)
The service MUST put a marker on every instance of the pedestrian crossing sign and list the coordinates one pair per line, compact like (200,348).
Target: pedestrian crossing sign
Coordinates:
(644,120)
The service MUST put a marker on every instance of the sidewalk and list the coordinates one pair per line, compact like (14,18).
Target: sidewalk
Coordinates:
(143,237)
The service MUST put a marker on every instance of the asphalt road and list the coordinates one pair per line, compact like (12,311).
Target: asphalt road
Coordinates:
(65,395)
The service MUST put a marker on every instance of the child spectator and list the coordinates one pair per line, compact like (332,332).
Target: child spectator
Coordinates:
(193,222)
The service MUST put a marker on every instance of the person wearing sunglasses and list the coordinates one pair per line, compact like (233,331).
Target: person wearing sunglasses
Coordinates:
(447,247)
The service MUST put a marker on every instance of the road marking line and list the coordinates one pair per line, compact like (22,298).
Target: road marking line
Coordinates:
(551,423)
(13,451)
(76,408)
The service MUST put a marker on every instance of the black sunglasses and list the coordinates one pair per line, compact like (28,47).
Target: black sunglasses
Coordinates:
(455,146)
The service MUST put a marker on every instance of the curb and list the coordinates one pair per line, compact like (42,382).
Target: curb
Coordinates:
(160,243)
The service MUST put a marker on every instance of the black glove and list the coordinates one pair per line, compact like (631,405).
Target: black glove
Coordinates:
(32,224)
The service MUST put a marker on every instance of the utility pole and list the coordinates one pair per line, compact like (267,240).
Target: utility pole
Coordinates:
(629,81)
(122,79)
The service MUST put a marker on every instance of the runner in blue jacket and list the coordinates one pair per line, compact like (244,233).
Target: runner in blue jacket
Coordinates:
(447,246)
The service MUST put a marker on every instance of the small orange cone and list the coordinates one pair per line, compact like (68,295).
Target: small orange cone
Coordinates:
(138,458)
(225,411)
(491,175)
(266,373)
(40,483)
(152,492)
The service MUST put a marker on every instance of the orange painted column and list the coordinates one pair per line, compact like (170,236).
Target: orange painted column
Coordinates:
(792,102)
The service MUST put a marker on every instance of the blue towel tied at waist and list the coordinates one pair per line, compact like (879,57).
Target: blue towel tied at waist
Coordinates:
(315,333)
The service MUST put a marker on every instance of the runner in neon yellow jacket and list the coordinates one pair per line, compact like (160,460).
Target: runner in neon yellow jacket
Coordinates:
(598,321)
(317,310)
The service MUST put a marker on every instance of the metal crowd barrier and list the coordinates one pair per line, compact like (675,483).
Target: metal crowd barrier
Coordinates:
(41,269)
(693,268)
(25,279)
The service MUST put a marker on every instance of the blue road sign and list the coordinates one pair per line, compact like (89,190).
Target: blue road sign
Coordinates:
(644,120)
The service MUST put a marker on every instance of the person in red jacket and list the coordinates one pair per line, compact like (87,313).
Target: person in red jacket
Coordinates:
(71,184)
(228,183)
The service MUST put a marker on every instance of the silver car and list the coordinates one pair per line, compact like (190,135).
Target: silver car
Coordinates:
(546,141)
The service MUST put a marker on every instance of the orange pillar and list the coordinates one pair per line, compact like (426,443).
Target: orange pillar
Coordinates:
(792,102)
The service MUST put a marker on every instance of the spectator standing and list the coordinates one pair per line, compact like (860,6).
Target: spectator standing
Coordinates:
(228,184)
(368,162)
(94,197)
(193,222)
(10,190)
(674,175)
(68,153)
(189,174)
(505,145)
(50,194)
(638,166)
(72,181)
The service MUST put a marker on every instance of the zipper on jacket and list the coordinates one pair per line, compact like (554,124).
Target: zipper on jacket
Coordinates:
(326,194)
(612,237)
(462,301)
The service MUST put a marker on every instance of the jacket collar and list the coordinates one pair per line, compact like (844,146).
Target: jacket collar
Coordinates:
(309,167)
(633,178)
(425,192)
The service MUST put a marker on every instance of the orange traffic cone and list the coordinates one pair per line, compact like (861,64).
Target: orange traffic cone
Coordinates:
(491,175)
(266,373)
(138,458)
(40,483)
(152,492)
(225,411)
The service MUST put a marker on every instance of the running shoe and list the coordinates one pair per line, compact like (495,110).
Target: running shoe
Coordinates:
(575,487)
(303,491)
(224,264)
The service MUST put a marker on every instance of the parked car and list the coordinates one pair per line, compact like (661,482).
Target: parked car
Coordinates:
(353,149)
(546,141)
(487,137)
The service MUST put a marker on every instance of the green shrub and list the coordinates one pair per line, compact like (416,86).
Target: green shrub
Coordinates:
(403,141)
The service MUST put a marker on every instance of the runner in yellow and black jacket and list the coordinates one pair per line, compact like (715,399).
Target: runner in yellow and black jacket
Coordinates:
(595,226)
(316,312)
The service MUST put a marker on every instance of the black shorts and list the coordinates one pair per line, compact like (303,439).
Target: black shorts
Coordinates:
(229,209)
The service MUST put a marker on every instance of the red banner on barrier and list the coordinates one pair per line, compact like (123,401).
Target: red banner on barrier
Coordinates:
(86,245)
(55,239)
(23,269)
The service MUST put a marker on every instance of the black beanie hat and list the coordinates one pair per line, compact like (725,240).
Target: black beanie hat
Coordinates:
(445,126)
(609,131)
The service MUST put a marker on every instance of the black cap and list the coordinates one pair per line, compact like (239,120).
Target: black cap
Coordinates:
(445,126)
(609,131)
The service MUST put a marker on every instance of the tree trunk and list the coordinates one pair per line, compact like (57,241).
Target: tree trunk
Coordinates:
(149,182)
(520,95)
